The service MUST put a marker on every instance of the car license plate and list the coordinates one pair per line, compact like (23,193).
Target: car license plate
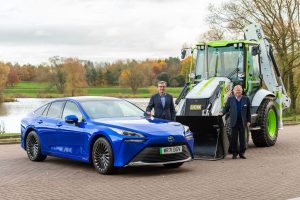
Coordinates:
(170,150)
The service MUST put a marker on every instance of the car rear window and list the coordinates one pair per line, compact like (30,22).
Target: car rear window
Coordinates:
(55,109)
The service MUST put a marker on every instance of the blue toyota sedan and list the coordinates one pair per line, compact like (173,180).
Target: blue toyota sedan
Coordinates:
(109,132)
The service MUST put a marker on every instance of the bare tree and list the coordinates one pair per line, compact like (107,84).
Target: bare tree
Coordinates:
(281,24)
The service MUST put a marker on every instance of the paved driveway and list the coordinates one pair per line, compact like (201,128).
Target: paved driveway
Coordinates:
(268,173)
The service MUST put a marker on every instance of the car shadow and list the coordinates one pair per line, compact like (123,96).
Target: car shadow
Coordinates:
(123,171)
(151,171)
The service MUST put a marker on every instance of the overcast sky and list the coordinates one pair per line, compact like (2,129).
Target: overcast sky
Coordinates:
(31,31)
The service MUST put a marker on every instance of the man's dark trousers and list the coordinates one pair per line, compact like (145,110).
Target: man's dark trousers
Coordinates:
(238,131)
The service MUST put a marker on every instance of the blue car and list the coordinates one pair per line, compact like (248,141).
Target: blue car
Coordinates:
(109,132)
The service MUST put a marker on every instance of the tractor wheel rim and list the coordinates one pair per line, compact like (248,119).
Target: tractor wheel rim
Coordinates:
(272,124)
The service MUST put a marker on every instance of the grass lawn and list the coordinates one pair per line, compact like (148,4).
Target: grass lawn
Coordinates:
(35,89)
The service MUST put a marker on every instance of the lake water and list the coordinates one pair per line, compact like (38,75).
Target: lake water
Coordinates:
(11,113)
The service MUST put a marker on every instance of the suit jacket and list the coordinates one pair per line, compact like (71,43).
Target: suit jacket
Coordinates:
(231,107)
(167,112)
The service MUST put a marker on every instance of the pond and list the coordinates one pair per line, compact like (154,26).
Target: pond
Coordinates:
(11,113)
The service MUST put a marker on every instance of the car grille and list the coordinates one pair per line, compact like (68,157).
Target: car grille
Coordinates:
(152,155)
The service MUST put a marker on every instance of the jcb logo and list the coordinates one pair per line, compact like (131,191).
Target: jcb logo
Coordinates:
(195,107)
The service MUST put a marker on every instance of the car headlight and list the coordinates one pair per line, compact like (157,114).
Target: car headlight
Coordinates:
(187,133)
(186,129)
(127,133)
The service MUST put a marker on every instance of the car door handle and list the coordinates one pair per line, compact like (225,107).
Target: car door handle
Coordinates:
(40,121)
(59,124)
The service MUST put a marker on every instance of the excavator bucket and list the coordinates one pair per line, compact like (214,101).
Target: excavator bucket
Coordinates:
(210,139)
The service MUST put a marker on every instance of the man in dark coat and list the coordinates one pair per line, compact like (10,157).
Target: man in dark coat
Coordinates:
(162,103)
(238,107)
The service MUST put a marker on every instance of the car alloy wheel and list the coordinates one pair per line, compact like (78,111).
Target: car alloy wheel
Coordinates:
(33,147)
(103,156)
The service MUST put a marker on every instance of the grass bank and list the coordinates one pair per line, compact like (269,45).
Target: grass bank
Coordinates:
(47,90)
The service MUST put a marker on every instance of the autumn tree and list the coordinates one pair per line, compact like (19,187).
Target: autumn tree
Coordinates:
(58,74)
(12,77)
(75,75)
(280,22)
(4,70)
(132,76)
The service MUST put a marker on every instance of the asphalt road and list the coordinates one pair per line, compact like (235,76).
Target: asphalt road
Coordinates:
(267,173)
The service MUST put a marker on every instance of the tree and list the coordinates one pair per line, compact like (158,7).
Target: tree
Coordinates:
(4,70)
(91,73)
(100,79)
(75,75)
(164,76)
(132,77)
(214,33)
(12,77)
(280,22)
(185,67)
(58,74)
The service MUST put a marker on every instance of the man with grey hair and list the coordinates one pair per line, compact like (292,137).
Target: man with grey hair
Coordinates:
(238,107)
(162,103)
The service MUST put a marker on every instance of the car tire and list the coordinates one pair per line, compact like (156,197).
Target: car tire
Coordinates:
(103,158)
(33,147)
(173,165)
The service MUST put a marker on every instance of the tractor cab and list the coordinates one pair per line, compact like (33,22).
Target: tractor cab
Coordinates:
(237,60)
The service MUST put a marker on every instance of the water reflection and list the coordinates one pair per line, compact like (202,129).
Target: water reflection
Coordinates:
(11,113)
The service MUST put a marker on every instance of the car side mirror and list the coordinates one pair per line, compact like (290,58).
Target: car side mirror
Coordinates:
(71,119)
(183,53)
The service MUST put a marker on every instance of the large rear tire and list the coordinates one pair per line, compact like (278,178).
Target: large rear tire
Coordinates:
(267,120)
(33,147)
(102,156)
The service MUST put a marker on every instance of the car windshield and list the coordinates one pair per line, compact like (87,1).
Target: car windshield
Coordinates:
(111,108)
(222,62)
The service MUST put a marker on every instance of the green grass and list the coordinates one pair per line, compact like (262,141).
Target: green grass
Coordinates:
(35,90)
(292,118)
(9,135)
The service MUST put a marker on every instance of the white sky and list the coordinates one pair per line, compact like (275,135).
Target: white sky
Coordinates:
(31,31)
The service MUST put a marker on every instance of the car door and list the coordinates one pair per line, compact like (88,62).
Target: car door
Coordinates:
(73,137)
(48,127)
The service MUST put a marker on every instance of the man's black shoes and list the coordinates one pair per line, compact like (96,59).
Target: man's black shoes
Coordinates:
(241,156)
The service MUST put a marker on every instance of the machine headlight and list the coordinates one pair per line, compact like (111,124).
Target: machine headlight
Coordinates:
(127,133)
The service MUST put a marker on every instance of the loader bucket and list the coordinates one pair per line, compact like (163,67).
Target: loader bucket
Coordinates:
(210,139)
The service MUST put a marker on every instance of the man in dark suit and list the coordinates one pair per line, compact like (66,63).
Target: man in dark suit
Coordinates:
(238,107)
(162,103)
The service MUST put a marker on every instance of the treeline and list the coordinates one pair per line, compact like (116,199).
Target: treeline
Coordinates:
(68,75)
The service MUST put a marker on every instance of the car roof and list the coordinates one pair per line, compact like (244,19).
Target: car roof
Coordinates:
(89,98)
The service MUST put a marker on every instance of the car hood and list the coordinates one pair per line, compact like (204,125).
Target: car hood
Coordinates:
(142,124)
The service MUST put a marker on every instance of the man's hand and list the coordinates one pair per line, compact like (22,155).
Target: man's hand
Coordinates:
(220,114)
(148,113)
(248,124)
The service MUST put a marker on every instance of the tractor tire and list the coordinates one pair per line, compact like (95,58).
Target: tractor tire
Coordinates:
(227,128)
(267,120)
